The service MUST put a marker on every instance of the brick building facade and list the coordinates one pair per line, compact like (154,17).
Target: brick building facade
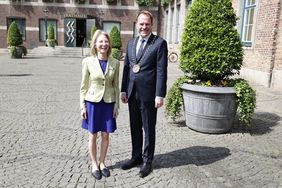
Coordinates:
(72,19)
(259,25)
(260,28)
(263,51)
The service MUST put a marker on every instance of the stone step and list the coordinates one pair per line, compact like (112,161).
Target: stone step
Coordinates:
(58,51)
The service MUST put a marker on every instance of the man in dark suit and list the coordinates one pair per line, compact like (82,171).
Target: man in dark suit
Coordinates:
(144,88)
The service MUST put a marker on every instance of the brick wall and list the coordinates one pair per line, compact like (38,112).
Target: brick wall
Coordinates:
(265,54)
(124,12)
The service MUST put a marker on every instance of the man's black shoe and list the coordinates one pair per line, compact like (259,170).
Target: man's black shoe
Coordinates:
(131,163)
(145,170)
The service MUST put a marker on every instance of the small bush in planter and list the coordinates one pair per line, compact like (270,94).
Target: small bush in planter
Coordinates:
(51,41)
(112,2)
(15,41)
(116,42)
(210,54)
(92,31)
(147,3)
(79,1)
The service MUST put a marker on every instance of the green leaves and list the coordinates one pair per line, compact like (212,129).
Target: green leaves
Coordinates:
(245,99)
(115,38)
(147,3)
(51,32)
(210,53)
(93,30)
(14,37)
(174,99)
(211,47)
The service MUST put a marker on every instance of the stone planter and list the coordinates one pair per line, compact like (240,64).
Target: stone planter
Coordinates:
(209,109)
(51,43)
(19,52)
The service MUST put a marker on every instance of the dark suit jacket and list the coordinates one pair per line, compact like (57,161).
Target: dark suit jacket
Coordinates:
(150,81)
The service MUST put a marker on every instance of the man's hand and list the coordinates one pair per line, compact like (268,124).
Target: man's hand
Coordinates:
(123,97)
(159,101)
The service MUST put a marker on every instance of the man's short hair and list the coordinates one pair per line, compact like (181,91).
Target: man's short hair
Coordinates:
(146,13)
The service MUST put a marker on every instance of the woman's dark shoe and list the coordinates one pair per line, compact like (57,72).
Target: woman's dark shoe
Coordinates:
(105,172)
(97,174)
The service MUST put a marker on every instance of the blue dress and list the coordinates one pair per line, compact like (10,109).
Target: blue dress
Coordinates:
(99,115)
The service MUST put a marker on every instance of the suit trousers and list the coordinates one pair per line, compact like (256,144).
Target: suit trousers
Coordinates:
(142,115)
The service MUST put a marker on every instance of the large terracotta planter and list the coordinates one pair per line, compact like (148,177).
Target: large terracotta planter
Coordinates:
(209,109)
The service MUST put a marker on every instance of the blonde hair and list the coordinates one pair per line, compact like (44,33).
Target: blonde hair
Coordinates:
(93,49)
(147,13)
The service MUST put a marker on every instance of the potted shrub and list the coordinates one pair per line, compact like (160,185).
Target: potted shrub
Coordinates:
(112,2)
(116,43)
(210,55)
(79,1)
(51,41)
(92,31)
(147,3)
(15,41)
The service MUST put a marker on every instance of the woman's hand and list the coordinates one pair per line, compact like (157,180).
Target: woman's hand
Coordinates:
(115,113)
(83,114)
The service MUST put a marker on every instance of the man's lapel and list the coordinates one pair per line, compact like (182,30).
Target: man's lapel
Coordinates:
(149,42)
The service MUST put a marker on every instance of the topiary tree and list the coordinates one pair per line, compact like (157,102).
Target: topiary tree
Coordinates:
(51,36)
(14,37)
(116,42)
(210,53)
(147,3)
(92,31)
(115,38)
(15,41)
(51,32)
(211,47)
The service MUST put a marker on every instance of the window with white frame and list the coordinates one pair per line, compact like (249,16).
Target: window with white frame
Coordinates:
(171,25)
(20,23)
(43,28)
(108,25)
(166,25)
(248,22)
(177,24)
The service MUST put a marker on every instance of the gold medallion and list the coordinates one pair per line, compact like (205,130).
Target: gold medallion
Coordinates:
(136,68)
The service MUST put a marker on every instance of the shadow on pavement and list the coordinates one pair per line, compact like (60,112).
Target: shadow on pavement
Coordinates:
(262,123)
(15,75)
(197,155)
(33,57)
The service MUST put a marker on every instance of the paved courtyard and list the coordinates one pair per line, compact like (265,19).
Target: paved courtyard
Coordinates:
(42,144)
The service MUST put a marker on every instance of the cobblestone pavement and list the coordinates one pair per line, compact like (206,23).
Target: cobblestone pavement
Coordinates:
(42,144)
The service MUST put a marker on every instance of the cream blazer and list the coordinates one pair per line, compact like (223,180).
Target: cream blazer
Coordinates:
(95,85)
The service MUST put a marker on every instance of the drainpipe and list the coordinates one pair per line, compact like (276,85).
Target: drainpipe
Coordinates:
(275,43)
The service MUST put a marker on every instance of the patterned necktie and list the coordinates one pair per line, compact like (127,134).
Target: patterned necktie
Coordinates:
(140,51)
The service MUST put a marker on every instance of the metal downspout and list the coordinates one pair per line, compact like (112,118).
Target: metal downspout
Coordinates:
(275,44)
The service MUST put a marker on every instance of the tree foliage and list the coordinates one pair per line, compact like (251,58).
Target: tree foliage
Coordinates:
(115,38)
(14,37)
(211,47)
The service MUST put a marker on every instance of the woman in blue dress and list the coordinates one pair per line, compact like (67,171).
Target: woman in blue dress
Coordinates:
(99,99)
